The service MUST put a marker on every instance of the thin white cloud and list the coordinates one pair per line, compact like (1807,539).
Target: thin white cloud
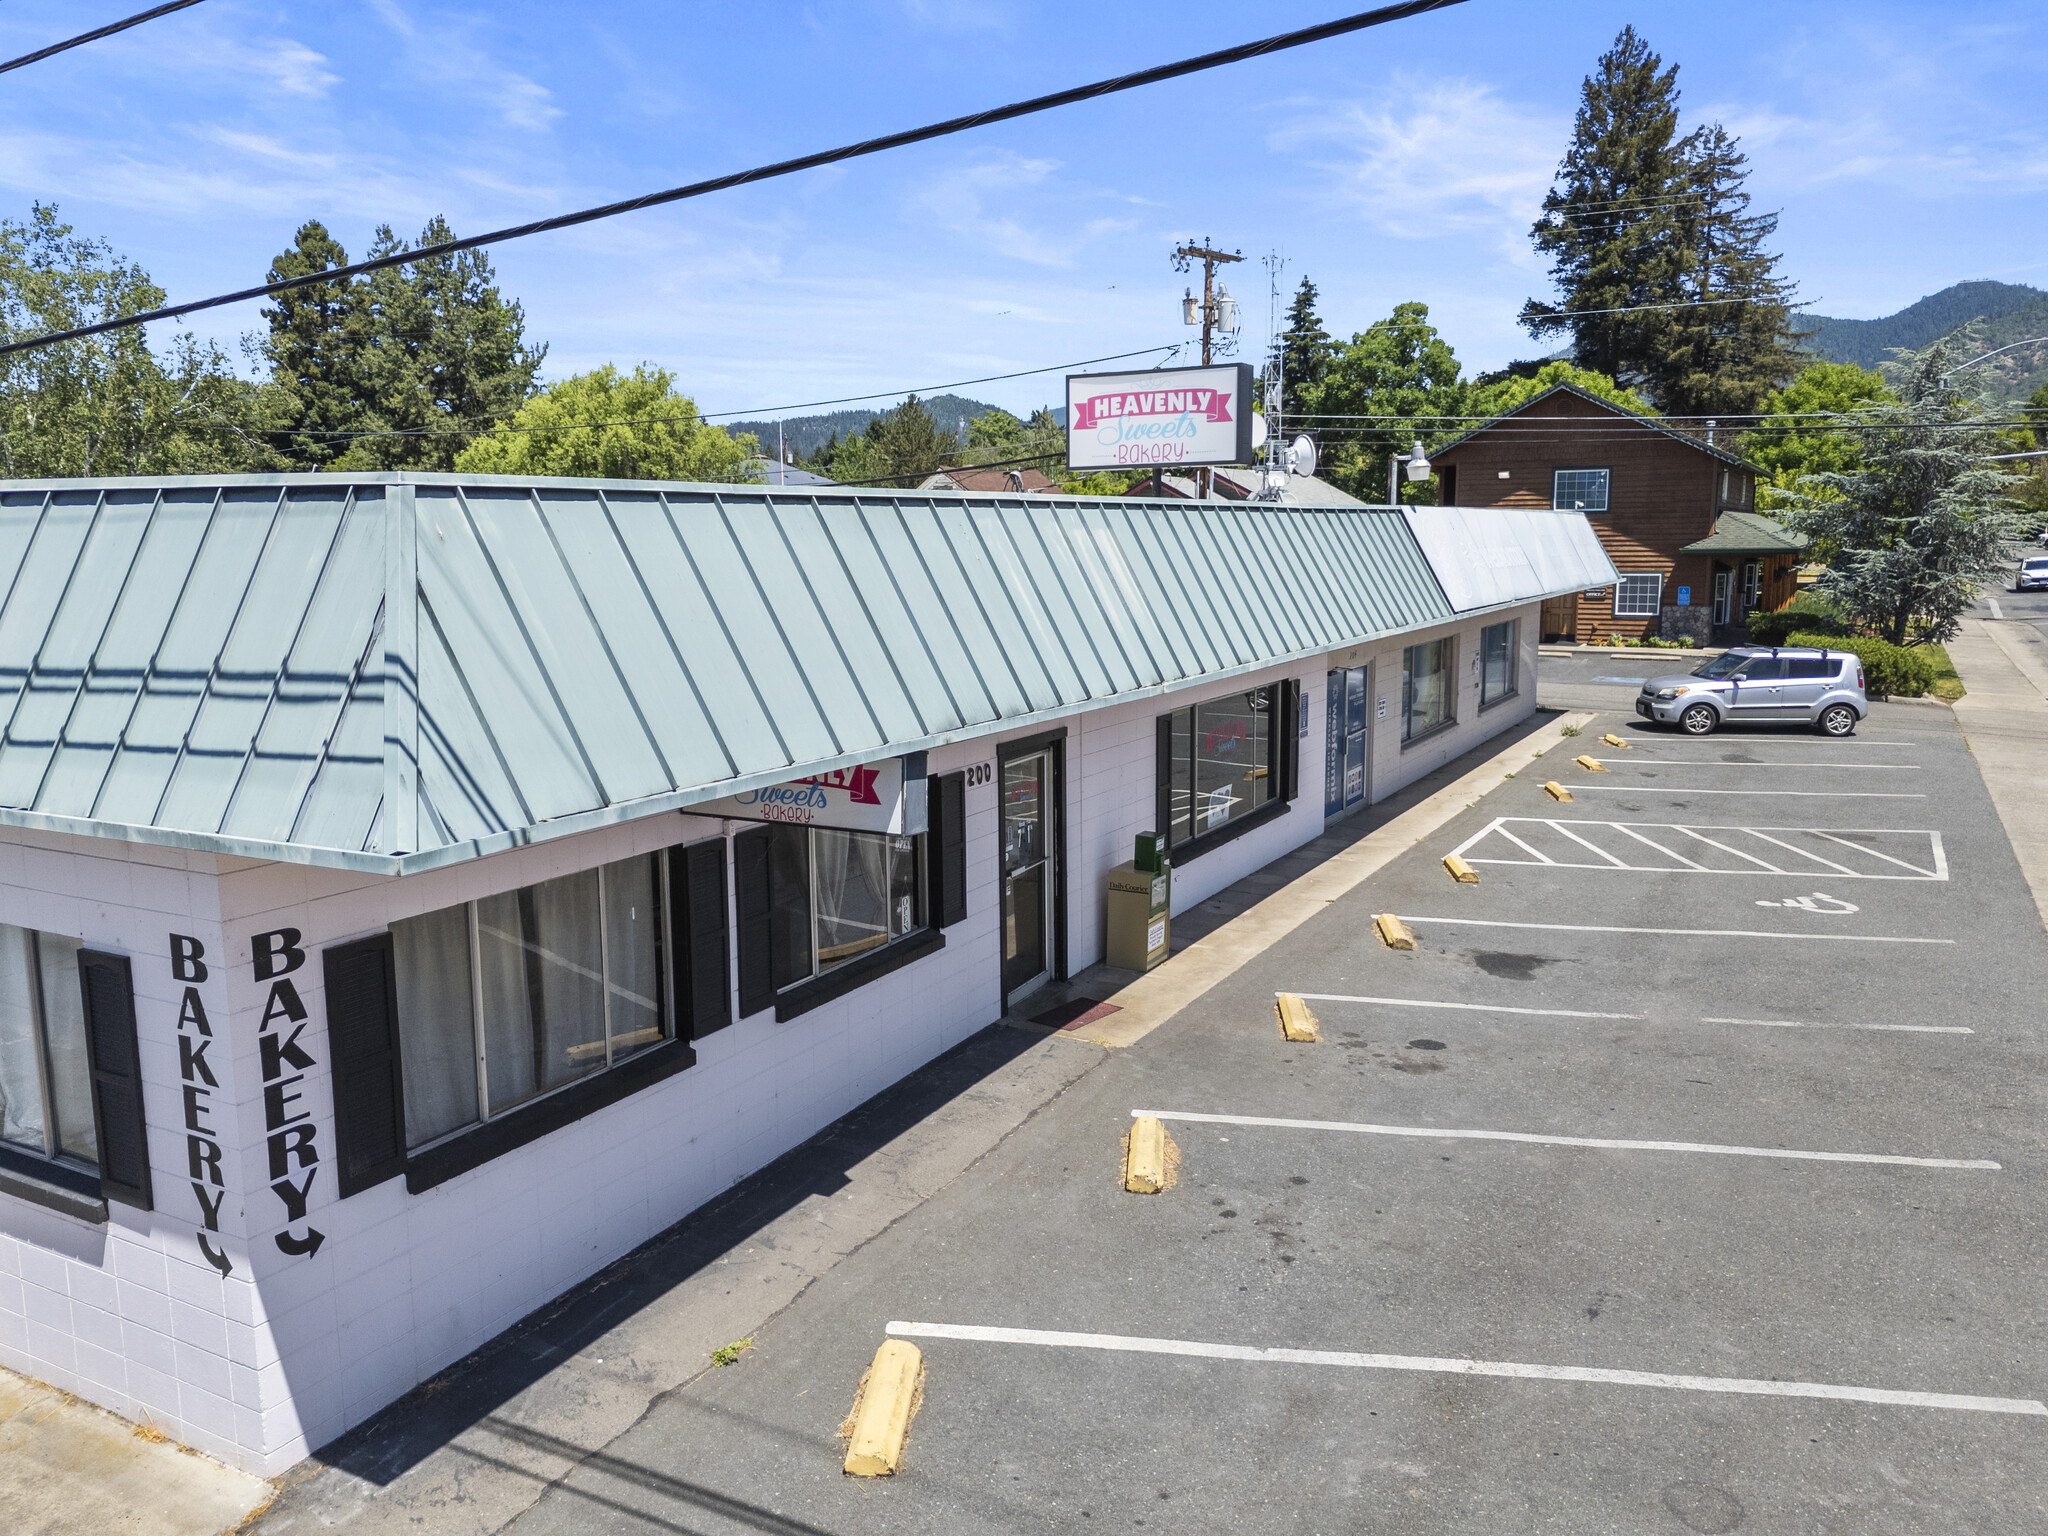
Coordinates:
(989,204)
(1422,160)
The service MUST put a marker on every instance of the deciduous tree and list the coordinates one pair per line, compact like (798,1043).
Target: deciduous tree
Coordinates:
(1395,381)
(612,426)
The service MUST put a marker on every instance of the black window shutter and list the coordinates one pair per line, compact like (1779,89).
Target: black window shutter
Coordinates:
(946,836)
(700,931)
(1289,744)
(755,912)
(369,1086)
(1163,812)
(107,987)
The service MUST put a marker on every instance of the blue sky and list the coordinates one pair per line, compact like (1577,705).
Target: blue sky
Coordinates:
(1904,143)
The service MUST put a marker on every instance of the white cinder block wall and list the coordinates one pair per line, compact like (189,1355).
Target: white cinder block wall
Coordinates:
(1393,767)
(296,1344)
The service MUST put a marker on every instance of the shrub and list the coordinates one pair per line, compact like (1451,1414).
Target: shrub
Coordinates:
(1887,668)
(1772,628)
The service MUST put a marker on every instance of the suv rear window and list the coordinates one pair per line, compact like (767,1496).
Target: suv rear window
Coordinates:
(1812,666)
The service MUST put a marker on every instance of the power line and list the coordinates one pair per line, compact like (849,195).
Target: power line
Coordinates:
(1174,71)
(94,36)
(1631,309)
(890,394)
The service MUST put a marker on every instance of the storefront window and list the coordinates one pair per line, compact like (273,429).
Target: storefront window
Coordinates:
(1219,766)
(1426,701)
(45,1078)
(1497,661)
(838,895)
(542,985)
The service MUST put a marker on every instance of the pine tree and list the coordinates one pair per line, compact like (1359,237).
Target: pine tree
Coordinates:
(1921,525)
(1607,221)
(398,369)
(907,443)
(1303,350)
(1720,359)
(313,346)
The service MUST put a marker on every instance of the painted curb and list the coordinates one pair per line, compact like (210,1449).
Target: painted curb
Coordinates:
(1145,1156)
(1296,1022)
(882,1422)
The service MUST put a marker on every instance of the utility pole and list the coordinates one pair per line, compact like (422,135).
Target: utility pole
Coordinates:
(1183,259)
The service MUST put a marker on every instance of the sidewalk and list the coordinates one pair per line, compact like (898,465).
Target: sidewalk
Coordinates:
(470,1452)
(2004,717)
(70,1469)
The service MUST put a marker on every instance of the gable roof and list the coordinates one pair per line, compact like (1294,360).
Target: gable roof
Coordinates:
(1563,427)
(986,480)
(1747,533)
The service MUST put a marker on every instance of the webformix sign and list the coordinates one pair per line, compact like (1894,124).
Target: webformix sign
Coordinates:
(1172,418)
(888,796)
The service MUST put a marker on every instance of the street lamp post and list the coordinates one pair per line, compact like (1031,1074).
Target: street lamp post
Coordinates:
(1418,469)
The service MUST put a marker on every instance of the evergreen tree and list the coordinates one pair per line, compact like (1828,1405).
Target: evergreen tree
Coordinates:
(906,443)
(1720,358)
(313,349)
(398,369)
(1921,525)
(1607,222)
(1303,350)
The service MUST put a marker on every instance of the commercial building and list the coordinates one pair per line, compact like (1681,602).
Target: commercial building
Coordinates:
(417,891)
(1675,512)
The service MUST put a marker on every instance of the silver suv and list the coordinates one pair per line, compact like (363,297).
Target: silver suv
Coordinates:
(1823,689)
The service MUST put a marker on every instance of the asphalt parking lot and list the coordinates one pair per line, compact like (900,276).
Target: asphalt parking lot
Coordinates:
(1687,1177)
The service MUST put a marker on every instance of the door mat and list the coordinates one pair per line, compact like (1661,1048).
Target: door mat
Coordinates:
(1075,1012)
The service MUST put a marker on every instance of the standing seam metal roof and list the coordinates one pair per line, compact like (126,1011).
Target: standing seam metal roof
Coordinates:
(390,672)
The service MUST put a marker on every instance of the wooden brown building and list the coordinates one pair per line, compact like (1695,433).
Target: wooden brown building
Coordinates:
(1676,514)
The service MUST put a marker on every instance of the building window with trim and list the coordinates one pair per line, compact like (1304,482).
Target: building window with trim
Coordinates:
(509,998)
(1637,594)
(45,1076)
(1498,655)
(835,896)
(1428,699)
(1220,762)
(1578,490)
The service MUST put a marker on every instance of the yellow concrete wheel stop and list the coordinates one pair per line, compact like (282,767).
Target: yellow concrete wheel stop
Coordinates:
(1393,931)
(1149,1156)
(1557,791)
(1296,1022)
(1615,741)
(1591,764)
(1461,872)
(886,1403)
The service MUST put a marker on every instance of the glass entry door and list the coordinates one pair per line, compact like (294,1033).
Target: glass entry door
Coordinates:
(1028,873)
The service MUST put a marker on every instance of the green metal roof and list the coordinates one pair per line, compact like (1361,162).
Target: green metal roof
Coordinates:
(1747,533)
(389,672)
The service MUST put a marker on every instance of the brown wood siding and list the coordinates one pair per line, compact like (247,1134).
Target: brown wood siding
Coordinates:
(1662,495)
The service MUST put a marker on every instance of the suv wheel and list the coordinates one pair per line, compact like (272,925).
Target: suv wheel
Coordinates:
(1698,720)
(1837,720)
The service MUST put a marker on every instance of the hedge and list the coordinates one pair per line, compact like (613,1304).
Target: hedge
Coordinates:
(1772,628)
(1887,668)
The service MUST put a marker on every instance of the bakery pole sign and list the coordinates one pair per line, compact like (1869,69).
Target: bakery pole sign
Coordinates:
(1171,418)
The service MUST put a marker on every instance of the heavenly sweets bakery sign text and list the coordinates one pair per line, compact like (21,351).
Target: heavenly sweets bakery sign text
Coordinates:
(1172,416)
(868,798)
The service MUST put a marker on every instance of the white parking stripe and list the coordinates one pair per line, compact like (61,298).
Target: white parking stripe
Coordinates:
(1458,1366)
(1683,933)
(1522,840)
(1916,1029)
(1804,794)
(1579,1013)
(1650,762)
(1416,1002)
(1599,1143)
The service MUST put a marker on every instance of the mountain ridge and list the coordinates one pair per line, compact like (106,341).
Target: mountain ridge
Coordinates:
(2002,313)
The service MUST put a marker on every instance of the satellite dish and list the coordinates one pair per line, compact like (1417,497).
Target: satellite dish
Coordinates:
(1301,456)
(1259,433)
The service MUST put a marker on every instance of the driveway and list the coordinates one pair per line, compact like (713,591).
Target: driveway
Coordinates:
(1687,1177)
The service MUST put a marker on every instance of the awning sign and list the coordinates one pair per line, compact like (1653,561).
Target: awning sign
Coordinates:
(888,796)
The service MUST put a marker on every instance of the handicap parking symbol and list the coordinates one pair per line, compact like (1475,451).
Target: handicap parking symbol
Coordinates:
(1835,907)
